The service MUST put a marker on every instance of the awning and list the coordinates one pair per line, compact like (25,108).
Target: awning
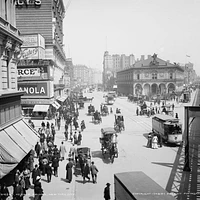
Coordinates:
(55,104)
(16,142)
(62,99)
(40,108)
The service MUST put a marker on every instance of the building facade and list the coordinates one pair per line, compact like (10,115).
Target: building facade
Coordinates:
(112,64)
(43,18)
(151,76)
(81,75)
(17,138)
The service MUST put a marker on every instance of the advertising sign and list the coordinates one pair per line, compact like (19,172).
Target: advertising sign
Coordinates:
(33,40)
(28,72)
(32,71)
(27,3)
(32,53)
(34,89)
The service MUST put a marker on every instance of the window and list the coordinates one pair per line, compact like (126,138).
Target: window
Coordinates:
(138,76)
(6,11)
(170,75)
(154,75)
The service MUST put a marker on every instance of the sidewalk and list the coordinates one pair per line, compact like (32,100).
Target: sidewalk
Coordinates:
(185,185)
(58,188)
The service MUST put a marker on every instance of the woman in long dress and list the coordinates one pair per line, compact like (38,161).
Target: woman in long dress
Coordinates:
(69,170)
(154,142)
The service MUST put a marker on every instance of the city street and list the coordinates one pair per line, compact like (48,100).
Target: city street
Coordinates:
(133,153)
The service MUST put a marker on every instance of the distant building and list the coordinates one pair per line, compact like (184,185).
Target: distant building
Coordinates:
(151,76)
(95,76)
(81,75)
(112,64)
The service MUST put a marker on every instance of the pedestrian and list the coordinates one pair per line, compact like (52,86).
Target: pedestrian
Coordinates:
(38,191)
(18,192)
(59,122)
(86,171)
(176,116)
(107,192)
(27,174)
(48,172)
(69,170)
(22,183)
(137,111)
(173,106)
(55,165)
(79,138)
(94,172)
(62,151)
(75,138)
(149,140)
(66,135)
(154,142)
(4,192)
(17,176)
(81,161)
(37,149)
(43,125)
(36,172)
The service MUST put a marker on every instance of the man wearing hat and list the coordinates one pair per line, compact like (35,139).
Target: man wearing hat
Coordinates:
(38,191)
(107,192)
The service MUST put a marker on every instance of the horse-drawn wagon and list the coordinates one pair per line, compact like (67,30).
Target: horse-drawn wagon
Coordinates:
(108,142)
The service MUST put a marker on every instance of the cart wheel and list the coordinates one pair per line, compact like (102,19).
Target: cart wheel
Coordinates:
(116,153)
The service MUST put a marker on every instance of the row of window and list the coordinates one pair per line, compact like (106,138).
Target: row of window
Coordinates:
(153,76)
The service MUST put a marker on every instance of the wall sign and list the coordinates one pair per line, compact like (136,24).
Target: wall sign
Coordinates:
(28,72)
(29,53)
(33,89)
(32,71)
(28,3)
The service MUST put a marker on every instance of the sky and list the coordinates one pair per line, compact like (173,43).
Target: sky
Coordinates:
(169,28)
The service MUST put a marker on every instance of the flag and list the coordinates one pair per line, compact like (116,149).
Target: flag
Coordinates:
(187,56)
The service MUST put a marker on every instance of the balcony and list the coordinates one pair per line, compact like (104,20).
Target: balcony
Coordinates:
(9,29)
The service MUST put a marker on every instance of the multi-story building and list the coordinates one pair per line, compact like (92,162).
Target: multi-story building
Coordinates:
(95,76)
(112,64)
(17,138)
(45,18)
(81,75)
(150,77)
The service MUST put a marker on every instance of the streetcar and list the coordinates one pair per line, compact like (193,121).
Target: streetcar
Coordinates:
(168,127)
(109,99)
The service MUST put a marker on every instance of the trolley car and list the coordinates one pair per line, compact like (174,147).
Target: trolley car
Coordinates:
(169,128)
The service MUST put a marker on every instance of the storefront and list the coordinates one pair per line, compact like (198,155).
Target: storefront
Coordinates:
(35,78)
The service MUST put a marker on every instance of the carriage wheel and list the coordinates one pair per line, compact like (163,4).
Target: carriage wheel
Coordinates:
(116,153)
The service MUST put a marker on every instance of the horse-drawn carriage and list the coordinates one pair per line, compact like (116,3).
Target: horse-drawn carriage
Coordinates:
(96,118)
(108,142)
(91,109)
(84,155)
(143,108)
(104,110)
(119,122)
(81,104)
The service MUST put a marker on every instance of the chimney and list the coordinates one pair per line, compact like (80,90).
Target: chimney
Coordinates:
(142,58)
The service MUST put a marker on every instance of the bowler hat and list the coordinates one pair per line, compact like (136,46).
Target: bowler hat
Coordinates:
(108,184)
